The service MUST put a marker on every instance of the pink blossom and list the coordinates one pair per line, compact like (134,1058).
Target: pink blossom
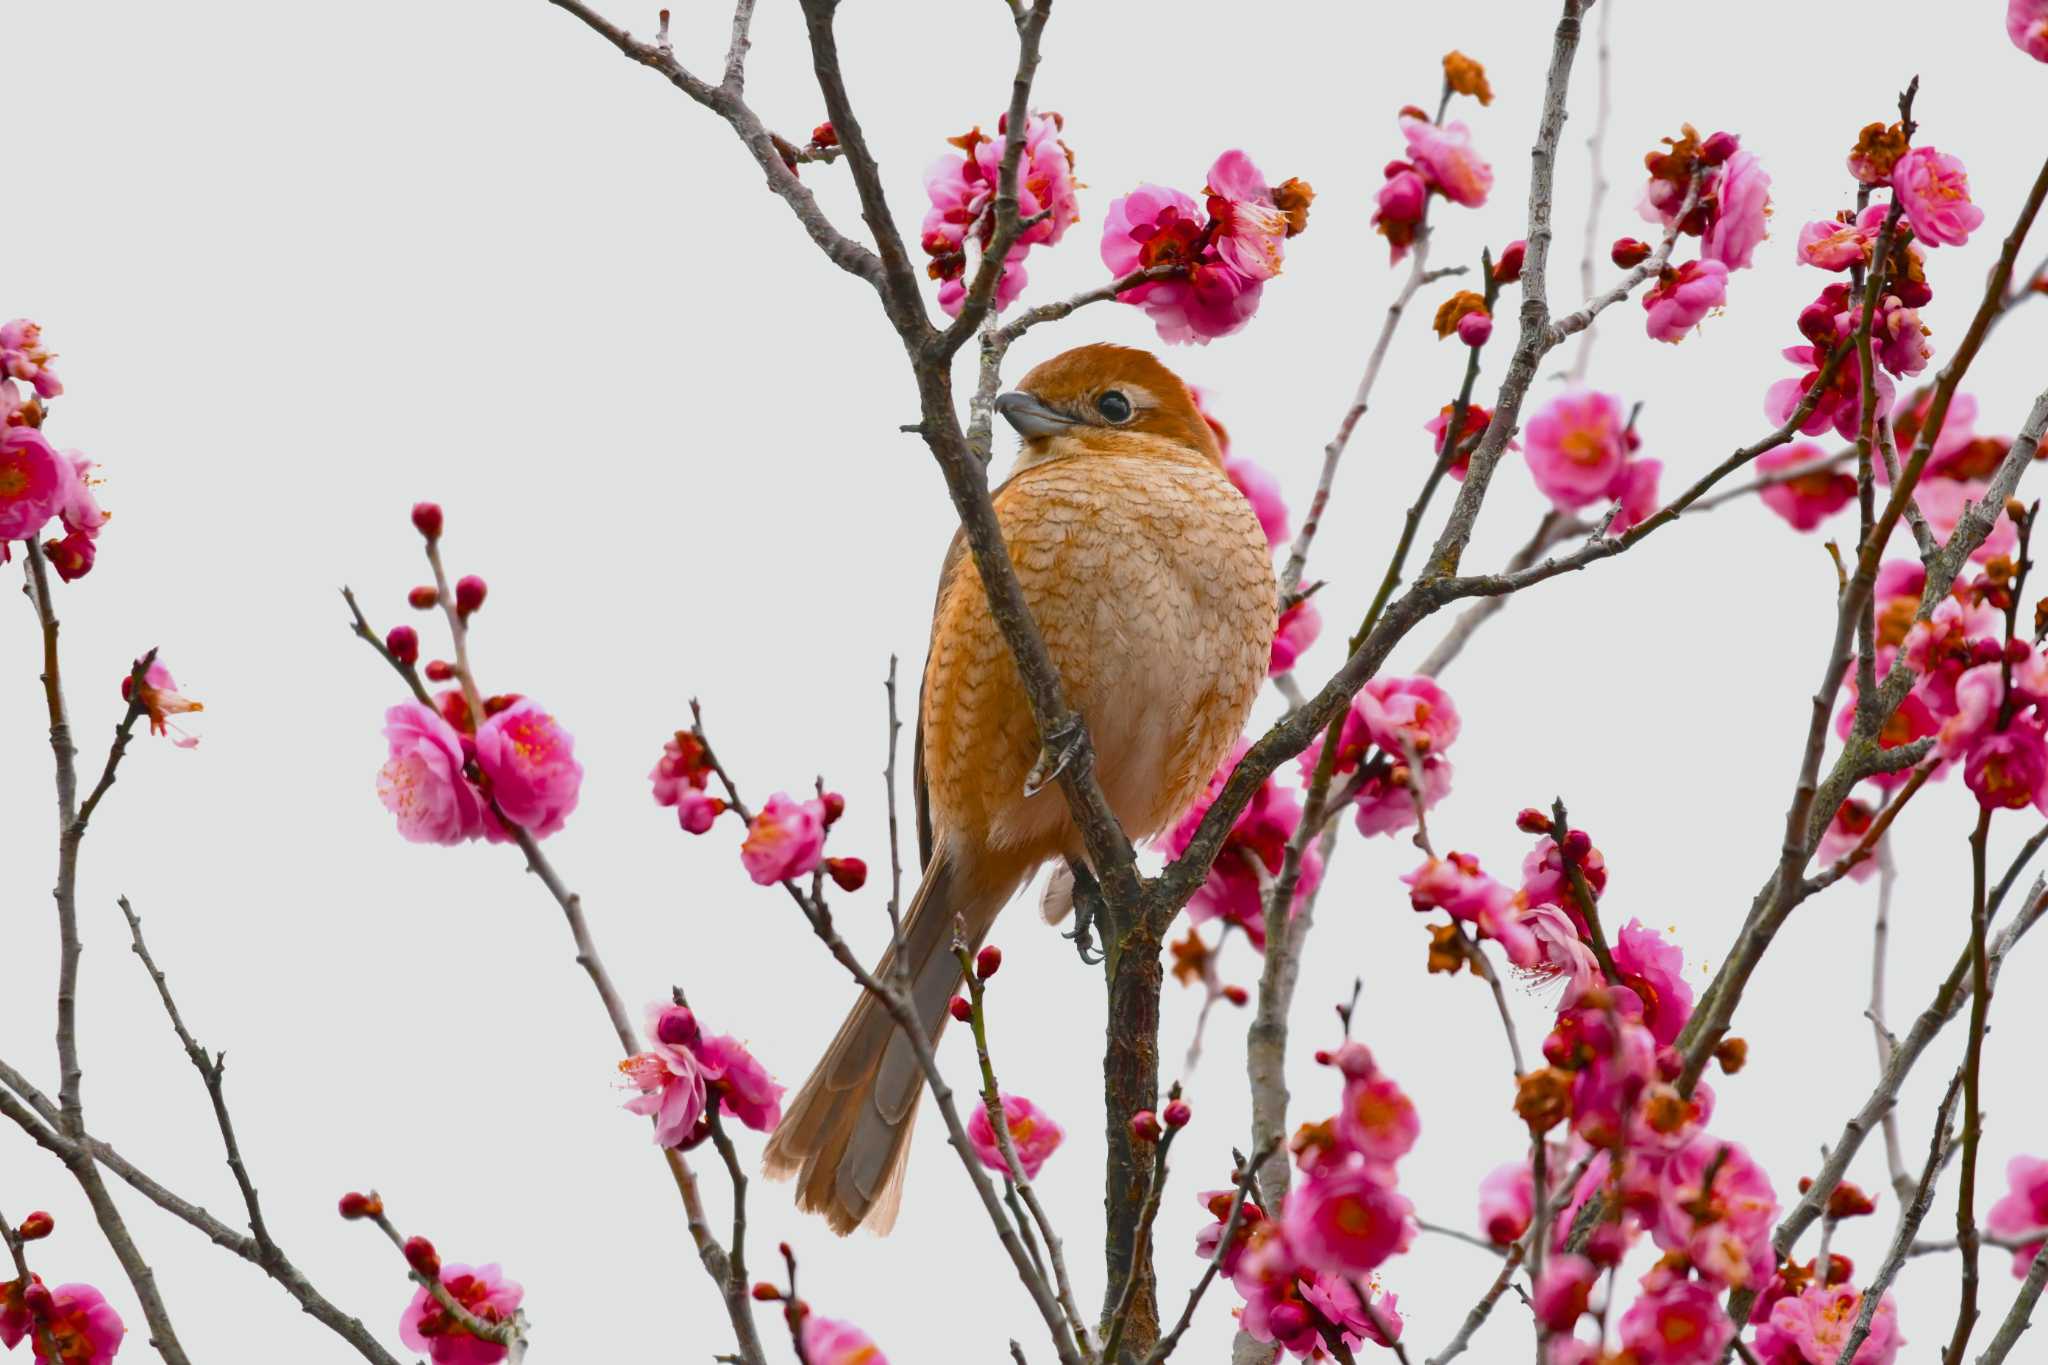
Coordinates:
(1942,502)
(672,1083)
(33,482)
(962,191)
(1563,1291)
(1232,892)
(1844,833)
(1387,800)
(1262,491)
(1840,405)
(1726,1232)
(1456,885)
(785,840)
(22,357)
(1349,1221)
(1507,1203)
(1477,419)
(1032,1132)
(1619,1061)
(422,782)
(1403,714)
(530,761)
(1635,494)
(1251,233)
(1298,628)
(1810,499)
(1544,881)
(489,1297)
(2009,770)
(828,1341)
(1446,159)
(1335,1300)
(1812,1328)
(1154,226)
(1210,1237)
(2026,21)
(76,1320)
(1681,298)
(1576,446)
(1743,213)
(1682,1324)
(1550,949)
(1399,207)
(1377,1118)
(743,1086)
(2021,1214)
(1935,189)
(1653,971)
(1834,245)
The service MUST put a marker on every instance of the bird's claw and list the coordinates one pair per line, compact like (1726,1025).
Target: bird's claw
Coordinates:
(1058,751)
(1087,903)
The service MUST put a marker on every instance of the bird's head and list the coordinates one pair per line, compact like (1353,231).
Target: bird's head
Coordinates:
(1102,399)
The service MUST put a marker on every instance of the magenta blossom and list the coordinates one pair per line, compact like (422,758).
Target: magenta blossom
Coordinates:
(1681,298)
(671,1081)
(1809,499)
(489,1297)
(2021,1215)
(1446,159)
(962,189)
(1251,233)
(1681,1324)
(1400,714)
(743,1086)
(1834,245)
(1653,971)
(75,1319)
(786,840)
(1032,1132)
(1727,1231)
(1154,226)
(828,1341)
(1349,1221)
(1576,446)
(1812,1328)
(22,357)
(33,482)
(1298,628)
(1262,491)
(1232,891)
(530,761)
(1399,208)
(422,782)
(2026,22)
(1935,189)
(1376,1118)
(1507,1199)
(1742,214)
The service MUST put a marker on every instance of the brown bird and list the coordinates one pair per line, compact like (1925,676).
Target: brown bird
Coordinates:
(1153,586)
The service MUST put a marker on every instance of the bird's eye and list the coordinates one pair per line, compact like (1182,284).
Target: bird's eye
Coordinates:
(1114,407)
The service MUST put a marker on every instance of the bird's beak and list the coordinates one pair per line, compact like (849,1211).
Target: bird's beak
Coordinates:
(1030,417)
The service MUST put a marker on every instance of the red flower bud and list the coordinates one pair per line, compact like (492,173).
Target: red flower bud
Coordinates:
(835,806)
(423,598)
(1475,328)
(824,135)
(355,1205)
(504,701)
(36,1297)
(1577,844)
(1719,148)
(426,519)
(1145,1126)
(848,874)
(1508,268)
(404,644)
(454,708)
(678,1027)
(1532,821)
(765,1292)
(1236,995)
(439,670)
(1177,1114)
(1627,252)
(469,594)
(988,961)
(960,1009)
(36,1226)
(421,1256)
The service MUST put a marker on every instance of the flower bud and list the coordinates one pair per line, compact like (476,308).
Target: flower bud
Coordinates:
(2015,509)
(835,806)
(469,594)
(426,519)
(988,961)
(1145,1126)
(1543,1098)
(1849,1201)
(1293,197)
(1840,1270)
(1607,1244)
(1236,995)
(1508,268)
(765,1292)
(423,598)
(1475,328)
(439,670)
(1577,844)
(960,1009)
(1467,77)
(677,1026)
(421,1256)
(1628,252)
(848,874)
(36,1226)
(824,135)
(1287,1319)
(1177,1114)
(1455,309)
(38,1300)
(1731,1053)
(1532,821)
(356,1205)
(504,701)
(1719,148)
(404,644)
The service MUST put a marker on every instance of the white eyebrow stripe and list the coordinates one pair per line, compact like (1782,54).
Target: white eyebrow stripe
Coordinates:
(1140,396)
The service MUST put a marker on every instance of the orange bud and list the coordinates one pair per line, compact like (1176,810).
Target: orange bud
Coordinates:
(1731,1053)
(1446,949)
(1467,77)
(1543,1098)
(1292,197)
(1456,307)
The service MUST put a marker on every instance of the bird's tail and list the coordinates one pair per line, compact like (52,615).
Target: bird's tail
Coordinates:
(846,1135)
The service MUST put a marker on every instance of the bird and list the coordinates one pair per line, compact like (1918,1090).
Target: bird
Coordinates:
(1152,584)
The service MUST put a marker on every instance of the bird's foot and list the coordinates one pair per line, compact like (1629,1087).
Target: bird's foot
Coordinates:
(1061,748)
(1087,899)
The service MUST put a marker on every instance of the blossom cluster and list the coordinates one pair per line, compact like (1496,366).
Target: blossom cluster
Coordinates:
(1581,450)
(685,1072)
(481,1291)
(1441,163)
(72,1322)
(449,780)
(38,483)
(962,189)
(1303,1274)
(1729,197)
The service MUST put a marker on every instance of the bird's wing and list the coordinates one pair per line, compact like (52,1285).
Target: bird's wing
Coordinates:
(955,552)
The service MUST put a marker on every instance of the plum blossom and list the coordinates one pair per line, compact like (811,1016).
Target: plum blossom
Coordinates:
(23,357)
(684,1069)
(1298,628)
(1563,1291)
(1683,297)
(1576,446)
(1935,190)
(423,781)
(785,840)
(1032,1132)
(743,1086)
(1232,892)
(1833,244)
(1376,1117)
(73,1319)
(33,482)
(1808,499)
(1348,1222)
(1726,1230)
(1399,207)
(680,778)
(1445,159)
(1813,1326)
(1507,1203)
(1653,972)
(1226,253)
(1681,1324)
(1839,405)
(1742,213)
(2026,22)
(530,762)
(1262,491)
(2021,1214)
(1456,884)
(1250,230)
(1477,420)
(1844,833)
(489,1297)
(962,190)
(828,1341)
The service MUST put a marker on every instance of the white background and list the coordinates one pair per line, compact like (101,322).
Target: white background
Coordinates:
(306,264)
